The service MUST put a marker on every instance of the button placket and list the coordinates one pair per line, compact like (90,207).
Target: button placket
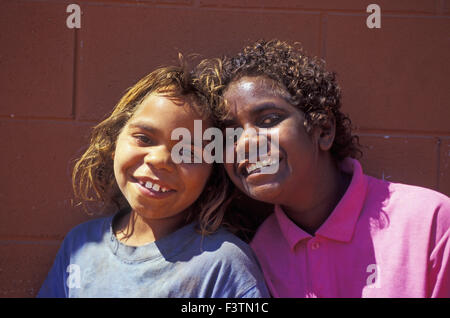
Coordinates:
(316,267)
(315,245)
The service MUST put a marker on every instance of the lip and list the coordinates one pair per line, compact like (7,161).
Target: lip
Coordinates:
(241,170)
(159,182)
(149,192)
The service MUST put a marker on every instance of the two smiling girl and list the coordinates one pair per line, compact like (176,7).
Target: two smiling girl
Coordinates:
(335,232)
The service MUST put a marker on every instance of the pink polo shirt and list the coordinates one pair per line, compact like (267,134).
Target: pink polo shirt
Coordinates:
(383,239)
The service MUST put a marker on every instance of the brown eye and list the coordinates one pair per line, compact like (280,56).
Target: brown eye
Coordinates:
(270,120)
(143,140)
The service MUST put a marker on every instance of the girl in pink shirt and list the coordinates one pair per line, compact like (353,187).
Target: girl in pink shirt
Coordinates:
(335,232)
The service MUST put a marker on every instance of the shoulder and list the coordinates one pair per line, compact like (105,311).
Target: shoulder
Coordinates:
(232,262)
(89,231)
(225,251)
(419,195)
(226,245)
(79,236)
(410,205)
(410,196)
(90,228)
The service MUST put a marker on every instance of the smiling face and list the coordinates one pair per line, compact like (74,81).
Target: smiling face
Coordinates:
(154,186)
(253,104)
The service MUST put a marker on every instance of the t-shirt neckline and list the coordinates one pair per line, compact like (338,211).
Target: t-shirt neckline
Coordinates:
(165,247)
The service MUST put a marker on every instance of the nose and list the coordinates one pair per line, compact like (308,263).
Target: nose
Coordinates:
(159,158)
(255,143)
(246,146)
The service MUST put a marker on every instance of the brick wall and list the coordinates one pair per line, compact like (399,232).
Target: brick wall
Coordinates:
(56,83)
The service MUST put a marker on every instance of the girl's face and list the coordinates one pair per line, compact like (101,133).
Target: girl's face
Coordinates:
(253,105)
(154,186)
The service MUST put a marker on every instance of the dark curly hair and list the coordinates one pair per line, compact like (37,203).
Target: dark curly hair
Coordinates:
(310,87)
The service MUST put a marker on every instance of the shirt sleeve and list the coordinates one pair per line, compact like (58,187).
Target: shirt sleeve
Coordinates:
(439,259)
(256,292)
(439,277)
(54,285)
(246,277)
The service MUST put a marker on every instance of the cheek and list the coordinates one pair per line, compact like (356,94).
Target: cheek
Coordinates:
(294,139)
(119,173)
(125,159)
(195,178)
(117,164)
(300,156)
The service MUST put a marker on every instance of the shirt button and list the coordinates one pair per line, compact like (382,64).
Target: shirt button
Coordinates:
(315,245)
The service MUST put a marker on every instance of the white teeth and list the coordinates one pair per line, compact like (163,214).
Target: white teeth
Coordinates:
(155,187)
(259,164)
(148,184)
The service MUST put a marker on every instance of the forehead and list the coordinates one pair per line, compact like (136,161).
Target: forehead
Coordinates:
(165,112)
(244,95)
(255,87)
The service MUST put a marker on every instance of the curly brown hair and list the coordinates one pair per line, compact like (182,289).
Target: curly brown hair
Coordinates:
(309,86)
(93,178)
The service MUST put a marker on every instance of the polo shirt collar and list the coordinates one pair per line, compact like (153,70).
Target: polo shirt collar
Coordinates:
(291,232)
(341,223)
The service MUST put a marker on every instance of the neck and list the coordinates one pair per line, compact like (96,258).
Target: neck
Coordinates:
(135,230)
(326,193)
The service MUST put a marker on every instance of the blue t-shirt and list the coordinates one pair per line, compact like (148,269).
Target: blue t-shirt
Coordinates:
(93,263)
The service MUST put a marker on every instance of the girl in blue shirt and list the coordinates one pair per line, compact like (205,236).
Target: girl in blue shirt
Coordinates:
(166,239)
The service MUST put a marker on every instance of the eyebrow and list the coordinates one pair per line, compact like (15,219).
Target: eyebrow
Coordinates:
(154,130)
(231,121)
(263,107)
(143,126)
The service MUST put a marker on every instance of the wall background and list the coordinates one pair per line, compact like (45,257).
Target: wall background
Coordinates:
(56,83)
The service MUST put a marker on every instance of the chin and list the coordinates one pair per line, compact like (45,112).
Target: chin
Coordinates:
(269,193)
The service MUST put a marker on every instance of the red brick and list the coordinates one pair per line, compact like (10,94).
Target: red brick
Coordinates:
(138,2)
(24,266)
(425,6)
(444,165)
(394,77)
(446,7)
(36,178)
(172,2)
(119,45)
(409,160)
(36,59)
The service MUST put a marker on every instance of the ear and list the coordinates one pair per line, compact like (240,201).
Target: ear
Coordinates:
(327,133)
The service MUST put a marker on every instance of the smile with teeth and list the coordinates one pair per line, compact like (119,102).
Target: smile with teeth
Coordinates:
(258,165)
(154,186)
